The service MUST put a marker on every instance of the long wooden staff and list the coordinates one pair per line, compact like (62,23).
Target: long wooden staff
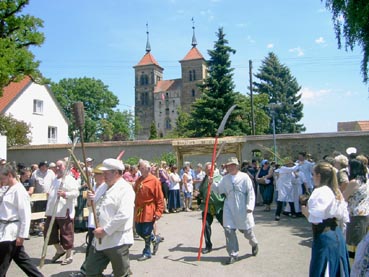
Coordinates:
(53,215)
(79,116)
(220,130)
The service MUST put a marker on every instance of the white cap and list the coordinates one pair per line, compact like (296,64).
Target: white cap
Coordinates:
(89,159)
(112,164)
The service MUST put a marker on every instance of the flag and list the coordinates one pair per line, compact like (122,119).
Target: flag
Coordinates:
(162,97)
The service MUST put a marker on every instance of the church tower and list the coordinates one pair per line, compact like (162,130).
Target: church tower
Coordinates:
(193,67)
(147,74)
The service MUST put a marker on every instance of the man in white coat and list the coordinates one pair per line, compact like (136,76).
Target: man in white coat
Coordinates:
(238,208)
(15,217)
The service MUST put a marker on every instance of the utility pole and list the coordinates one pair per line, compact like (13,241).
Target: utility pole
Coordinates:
(252,100)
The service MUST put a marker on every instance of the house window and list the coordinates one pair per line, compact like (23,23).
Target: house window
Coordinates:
(52,134)
(167,124)
(38,106)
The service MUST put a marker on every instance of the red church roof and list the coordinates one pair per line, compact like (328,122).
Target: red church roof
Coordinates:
(11,92)
(148,59)
(362,125)
(166,85)
(193,54)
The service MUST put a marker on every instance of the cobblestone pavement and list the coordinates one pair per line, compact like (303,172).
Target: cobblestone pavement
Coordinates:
(284,250)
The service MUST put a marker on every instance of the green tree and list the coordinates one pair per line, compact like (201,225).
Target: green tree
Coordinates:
(261,118)
(118,126)
(217,94)
(351,21)
(17,33)
(277,82)
(153,131)
(17,132)
(99,103)
(181,129)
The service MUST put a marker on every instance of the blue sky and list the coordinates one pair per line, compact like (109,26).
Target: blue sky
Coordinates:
(105,39)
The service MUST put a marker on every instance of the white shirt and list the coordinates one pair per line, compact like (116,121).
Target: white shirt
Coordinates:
(42,180)
(70,187)
(323,204)
(174,181)
(306,167)
(15,206)
(98,192)
(114,210)
(240,197)
(189,182)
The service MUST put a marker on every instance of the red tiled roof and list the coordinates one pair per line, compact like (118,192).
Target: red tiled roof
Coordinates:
(193,54)
(353,126)
(147,59)
(11,91)
(166,85)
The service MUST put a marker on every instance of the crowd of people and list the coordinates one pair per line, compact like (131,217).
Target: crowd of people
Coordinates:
(127,200)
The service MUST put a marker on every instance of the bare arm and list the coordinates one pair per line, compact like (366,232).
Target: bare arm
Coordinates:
(351,188)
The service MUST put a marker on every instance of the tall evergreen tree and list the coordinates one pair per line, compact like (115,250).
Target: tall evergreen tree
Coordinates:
(153,131)
(217,94)
(282,89)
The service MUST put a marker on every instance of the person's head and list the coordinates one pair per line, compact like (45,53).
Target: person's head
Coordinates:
(144,167)
(199,167)
(232,165)
(245,163)
(43,166)
(207,168)
(8,174)
(174,168)
(301,156)
(60,168)
(127,167)
(363,159)
(112,170)
(265,164)
(134,169)
(340,161)
(163,164)
(52,166)
(89,162)
(357,170)
(25,173)
(186,169)
(324,174)
(98,174)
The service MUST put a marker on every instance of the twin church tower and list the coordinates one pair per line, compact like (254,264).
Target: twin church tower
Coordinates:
(158,100)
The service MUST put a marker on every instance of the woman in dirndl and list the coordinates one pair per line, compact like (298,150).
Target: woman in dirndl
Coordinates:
(357,196)
(327,210)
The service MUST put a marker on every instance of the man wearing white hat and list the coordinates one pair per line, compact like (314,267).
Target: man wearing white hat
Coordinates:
(238,208)
(114,209)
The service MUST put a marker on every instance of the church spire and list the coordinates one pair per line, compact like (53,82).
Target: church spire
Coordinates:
(148,47)
(194,42)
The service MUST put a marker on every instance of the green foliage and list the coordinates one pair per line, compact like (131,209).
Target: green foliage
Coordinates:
(153,131)
(118,126)
(181,130)
(351,21)
(260,116)
(217,94)
(17,33)
(169,157)
(17,132)
(98,102)
(132,160)
(277,82)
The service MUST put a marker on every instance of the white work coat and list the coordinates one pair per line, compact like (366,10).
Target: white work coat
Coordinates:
(114,210)
(240,197)
(284,183)
(15,213)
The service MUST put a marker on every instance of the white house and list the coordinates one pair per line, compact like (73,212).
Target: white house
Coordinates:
(36,105)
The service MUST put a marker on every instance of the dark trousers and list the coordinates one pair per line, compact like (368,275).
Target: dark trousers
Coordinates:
(280,205)
(144,230)
(8,252)
(207,231)
(90,237)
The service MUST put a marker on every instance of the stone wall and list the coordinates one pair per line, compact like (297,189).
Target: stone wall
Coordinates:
(317,145)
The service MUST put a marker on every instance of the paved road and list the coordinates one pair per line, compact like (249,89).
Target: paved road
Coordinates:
(284,250)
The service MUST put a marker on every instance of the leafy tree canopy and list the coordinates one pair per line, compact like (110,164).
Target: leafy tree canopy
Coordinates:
(17,33)
(277,82)
(351,21)
(98,102)
(17,132)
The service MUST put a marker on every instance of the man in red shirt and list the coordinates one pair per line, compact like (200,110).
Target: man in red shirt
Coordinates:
(149,206)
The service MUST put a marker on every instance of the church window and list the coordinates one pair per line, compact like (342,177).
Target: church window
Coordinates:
(144,79)
(167,124)
(193,75)
(193,93)
(152,77)
(190,75)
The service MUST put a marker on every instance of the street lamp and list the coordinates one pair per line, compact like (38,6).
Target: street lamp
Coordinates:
(273,107)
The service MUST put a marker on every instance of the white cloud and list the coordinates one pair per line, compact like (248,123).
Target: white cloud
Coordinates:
(322,10)
(207,13)
(250,39)
(320,40)
(270,46)
(312,96)
(297,50)
(341,18)
(241,25)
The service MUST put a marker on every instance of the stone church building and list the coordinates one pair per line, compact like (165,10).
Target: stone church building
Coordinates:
(158,100)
